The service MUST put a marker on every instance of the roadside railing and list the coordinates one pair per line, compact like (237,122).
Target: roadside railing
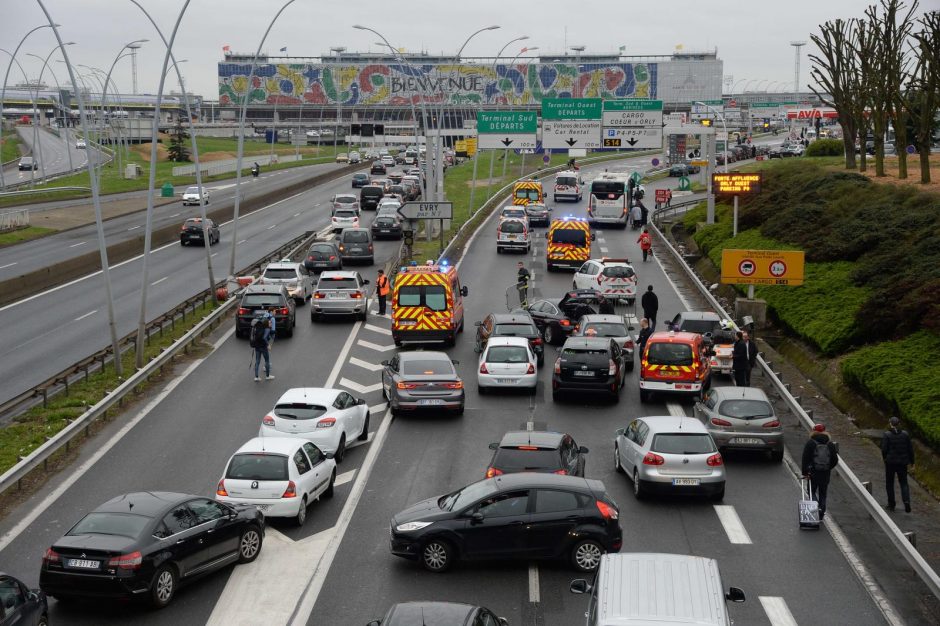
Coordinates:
(214,168)
(11,220)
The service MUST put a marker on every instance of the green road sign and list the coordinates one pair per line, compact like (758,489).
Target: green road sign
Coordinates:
(633,104)
(636,177)
(685,184)
(771,105)
(714,103)
(507,122)
(571,109)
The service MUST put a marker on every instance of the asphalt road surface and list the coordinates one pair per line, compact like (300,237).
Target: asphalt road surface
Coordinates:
(337,569)
(55,155)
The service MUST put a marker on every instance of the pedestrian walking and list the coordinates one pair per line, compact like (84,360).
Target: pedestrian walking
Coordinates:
(381,290)
(643,337)
(739,360)
(751,351)
(820,456)
(897,450)
(646,243)
(260,338)
(650,304)
(669,197)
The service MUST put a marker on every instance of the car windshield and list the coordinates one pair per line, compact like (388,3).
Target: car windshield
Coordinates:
(507,354)
(299,411)
(515,330)
(337,282)
(345,199)
(385,221)
(427,367)
(574,236)
(700,326)
(261,299)
(257,466)
(511,226)
(569,181)
(683,443)
(513,212)
(433,297)
(661,353)
(321,249)
(618,271)
(195,223)
(743,408)
(525,459)
(605,329)
(355,236)
(345,214)
(462,498)
(192,190)
(535,208)
(124,524)
(582,354)
(280,273)
(527,194)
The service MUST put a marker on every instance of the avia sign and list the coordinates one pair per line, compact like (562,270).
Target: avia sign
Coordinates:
(811,114)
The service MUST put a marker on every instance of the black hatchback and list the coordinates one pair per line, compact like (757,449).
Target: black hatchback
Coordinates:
(191,232)
(536,451)
(271,298)
(516,516)
(323,255)
(386,227)
(144,545)
(589,364)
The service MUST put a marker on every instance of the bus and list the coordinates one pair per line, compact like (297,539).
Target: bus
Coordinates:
(609,202)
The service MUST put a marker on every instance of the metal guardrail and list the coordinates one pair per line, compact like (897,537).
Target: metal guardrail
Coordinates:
(11,220)
(872,507)
(214,168)
(29,192)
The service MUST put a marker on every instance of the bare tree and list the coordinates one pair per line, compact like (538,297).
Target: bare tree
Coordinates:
(896,25)
(833,71)
(924,93)
(870,57)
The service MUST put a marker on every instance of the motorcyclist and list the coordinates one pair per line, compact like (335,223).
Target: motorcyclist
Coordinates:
(255,169)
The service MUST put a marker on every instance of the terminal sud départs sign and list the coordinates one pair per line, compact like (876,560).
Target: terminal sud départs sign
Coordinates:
(762,267)
(736,184)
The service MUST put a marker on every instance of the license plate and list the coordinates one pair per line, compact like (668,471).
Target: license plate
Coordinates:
(83,563)
(384,230)
(430,402)
(685,482)
(669,374)
(337,296)
(510,236)
(580,373)
(319,264)
(506,381)
(263,507)
(407,322)
(747,440)
(355,249)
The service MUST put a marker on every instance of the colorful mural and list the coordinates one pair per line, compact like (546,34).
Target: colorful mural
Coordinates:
(399,85)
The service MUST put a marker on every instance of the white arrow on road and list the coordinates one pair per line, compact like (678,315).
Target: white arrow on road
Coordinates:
(350,384)
(374,346)
(365,365)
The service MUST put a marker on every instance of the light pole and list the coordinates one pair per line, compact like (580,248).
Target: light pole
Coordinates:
(511,64)
(95,73)
(3,92)
(133,46)
(33,95)
(337,84)
(724,128)
(277,94)
(45,64)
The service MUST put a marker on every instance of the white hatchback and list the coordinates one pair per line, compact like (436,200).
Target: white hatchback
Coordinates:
(192,196)
(507,363)
(329,418)
(615,278)
(281,476)
(344,218)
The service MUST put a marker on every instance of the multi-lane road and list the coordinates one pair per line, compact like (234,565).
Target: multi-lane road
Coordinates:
(55,155)
(337,569)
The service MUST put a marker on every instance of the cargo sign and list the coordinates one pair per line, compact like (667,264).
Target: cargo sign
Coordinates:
(633,113)
(426,211)
(762,267)
(567,134)
(506,129)
(571,108)
(736,184)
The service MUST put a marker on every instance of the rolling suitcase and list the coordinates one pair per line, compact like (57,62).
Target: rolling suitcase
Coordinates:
(809,508)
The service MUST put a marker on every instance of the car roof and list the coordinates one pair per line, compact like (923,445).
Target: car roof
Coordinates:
(424,355)
(507,341)
(338,274)
(282,265)
(410,613)
(346,195)
(700,315)
(668,336)
(273,445)
(353,230)
(313,395)
(264,288)
(613,262)
(512,318)
(147,503)
(540,438)
(748,393)
(506,482)
(598,317)
(324,242)
(673,424)
(593,343)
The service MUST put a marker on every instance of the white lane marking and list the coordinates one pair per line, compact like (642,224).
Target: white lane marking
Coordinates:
(378,408)
(378,329)
(603,248)
(213,254)
(296,214)
(221,187)
(344,478)
(176,215)
(341,357)
(365,365)
(81,317)
(351,384)
(242,241)
(80,243)
(355,443)
(9,265)
(101,452)
(367,344)
(159,280)
(732,524)
(134,227)
(272,226)
(675,409)
(777,611)
(534,583)
(675,288)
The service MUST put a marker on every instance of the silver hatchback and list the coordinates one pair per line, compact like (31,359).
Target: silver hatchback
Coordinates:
(670,455)
(741,417)
(339,293)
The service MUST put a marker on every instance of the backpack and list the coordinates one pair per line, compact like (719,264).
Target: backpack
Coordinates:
(256,335)
(821,457)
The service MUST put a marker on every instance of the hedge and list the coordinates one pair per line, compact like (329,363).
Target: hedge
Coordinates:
(826,147)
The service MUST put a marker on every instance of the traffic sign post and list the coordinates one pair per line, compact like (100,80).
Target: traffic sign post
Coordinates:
(762,267)
(738,185)
(685,184)
(506,129)
(427,211)
(633,123)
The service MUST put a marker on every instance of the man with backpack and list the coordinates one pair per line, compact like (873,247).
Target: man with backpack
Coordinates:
(820,456)
(259,338)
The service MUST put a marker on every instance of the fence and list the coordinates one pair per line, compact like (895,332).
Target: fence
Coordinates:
(11,220)
(214,168)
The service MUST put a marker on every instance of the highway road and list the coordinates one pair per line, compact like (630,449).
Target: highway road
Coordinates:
(337,569)
(55,155)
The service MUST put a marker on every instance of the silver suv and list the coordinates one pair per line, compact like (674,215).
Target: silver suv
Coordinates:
(293,276)
(340,293)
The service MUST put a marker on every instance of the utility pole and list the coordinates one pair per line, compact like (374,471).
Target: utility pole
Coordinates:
(133,48)
(797,45)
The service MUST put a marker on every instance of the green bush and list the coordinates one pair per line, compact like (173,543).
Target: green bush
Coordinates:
(904,377)
(825,147)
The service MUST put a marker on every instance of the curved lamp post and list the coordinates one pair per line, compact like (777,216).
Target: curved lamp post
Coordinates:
(33,97)
(45,64)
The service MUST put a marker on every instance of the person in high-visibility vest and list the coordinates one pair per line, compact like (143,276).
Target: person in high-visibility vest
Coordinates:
(381,289)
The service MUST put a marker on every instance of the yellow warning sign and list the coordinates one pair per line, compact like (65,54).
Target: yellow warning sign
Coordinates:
(762,267)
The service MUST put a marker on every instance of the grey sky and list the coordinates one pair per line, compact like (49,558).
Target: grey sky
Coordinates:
(752,37)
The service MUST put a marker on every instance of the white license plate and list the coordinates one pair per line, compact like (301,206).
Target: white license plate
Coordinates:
(355,249)
(83,563)
(747,440)
(337,296)
(580,373)
(430,402)
(407,322)
(510,236)
(263,507)
(507,381)
(685,482)
(384,230)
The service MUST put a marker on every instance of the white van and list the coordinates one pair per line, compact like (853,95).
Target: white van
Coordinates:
(685,590)
(513,234)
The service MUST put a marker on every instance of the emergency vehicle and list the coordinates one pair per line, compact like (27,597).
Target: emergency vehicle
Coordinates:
(427,305)
(567,186)
(614,278)
(526,191)
(568,243)
(675,362)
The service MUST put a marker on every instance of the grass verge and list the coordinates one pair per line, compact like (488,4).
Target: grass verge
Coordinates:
(9,147)
(24,234)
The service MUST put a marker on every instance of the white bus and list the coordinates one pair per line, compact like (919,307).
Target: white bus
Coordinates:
(609,202)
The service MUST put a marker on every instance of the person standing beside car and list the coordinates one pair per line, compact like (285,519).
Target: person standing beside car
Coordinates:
(897,450)
(381,290)
(740,360)
(643,337)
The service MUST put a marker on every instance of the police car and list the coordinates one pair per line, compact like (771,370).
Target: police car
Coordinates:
(614,278)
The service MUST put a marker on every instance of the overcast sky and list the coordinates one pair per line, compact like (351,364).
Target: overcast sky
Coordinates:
(752,36)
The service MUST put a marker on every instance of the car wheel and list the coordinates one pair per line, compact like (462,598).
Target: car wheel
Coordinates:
(540,360)
(499,250)
(331,488)
(637,486)
(290,328)
(719,495)
(249,545)
(617,466)
(615,396)
(340,453)
(182,243)
(163,587)
(364,435)
(574,284)
(43,621)
(556,397)
(776,456)
(437,555)
(314,318)
(549,335)
(301,516)
(238,333)
(586,555)
(363,315)
(533,389)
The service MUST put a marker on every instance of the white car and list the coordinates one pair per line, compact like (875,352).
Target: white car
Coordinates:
(329,418)
(312,134)
(388,161)
(388,206)
(293,276)
(507,363)
(515,212)
(281,476)
(615,278)
(513,234)
(80,144)
(355,157)
(344,218)
(191,196)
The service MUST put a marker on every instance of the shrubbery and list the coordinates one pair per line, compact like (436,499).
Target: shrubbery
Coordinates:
(825,147)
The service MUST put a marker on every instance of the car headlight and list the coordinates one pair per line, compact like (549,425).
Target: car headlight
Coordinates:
(412,526)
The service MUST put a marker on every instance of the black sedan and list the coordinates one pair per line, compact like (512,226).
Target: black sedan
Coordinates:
(21,605)
(386,227)
(422,380)
(556,319)
(438,613)
(510,325)
(144,545)
(523,516)
(360,179)
(536,451)
(191,232)
(323,255)
(589,364)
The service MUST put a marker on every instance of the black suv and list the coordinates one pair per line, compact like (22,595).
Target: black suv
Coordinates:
(536,451)
(191,232)
(589,364)
(523,516)
(377,168)
(510,325)
(260,298)
(369,196)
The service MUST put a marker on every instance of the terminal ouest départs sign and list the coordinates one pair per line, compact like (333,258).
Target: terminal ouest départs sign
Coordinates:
(762,267)
(736,184)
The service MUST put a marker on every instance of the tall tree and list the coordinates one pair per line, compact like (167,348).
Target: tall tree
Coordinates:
(177,150)
(870,55)
(896,25)
(924,93)
(832,69)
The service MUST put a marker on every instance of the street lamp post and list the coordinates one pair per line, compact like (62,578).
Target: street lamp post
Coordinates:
(94,75)
(133,45)
(274,124)
(33,96)
(45,64)
(511,63)
(337,85)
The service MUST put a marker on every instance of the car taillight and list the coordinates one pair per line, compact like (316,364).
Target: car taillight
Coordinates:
(318,295)
(454,385)
(531,369)
(628,344)
(357,294)
(370,247)
(561,472)
(242,311)
(772,424)
(332,257)
(51,556)
(652,458)
(291,491)
(492,471)
(326,422)
(406,385)
(611,367)
(483,369)
(715,460)
(310,258)
(717,421)
(220,489)
(558,366)
(607,511)
(284,311)
(565,322)
(183,228)
(341,247)
(268,420)
(537,341)
(127,561)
